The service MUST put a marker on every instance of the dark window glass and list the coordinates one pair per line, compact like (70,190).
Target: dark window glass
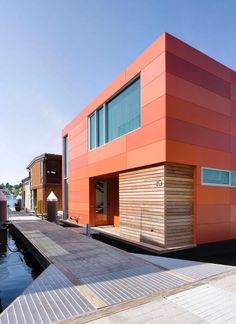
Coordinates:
(100,125)
(233,178)
(123,112)
(53,170)
(217,177)
(92,131)
(65,151)
(65,214)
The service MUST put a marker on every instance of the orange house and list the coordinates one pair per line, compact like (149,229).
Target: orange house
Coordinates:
(155,153)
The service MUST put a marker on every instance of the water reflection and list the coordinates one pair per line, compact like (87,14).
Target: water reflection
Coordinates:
(17,268)
(3,241)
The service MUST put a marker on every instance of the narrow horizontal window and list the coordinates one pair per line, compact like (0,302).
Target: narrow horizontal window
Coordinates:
(215,177)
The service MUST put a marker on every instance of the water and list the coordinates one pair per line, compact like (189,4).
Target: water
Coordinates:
(17,269)
(11,202)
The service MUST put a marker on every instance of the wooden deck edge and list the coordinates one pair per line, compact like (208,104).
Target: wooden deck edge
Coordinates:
(39,256)
(144,246)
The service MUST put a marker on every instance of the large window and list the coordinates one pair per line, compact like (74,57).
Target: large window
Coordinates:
(123,112)
(216,177)
(117,117)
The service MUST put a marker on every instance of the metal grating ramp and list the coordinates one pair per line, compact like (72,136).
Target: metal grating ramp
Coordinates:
(51,297)
(191,269)
(213,305)
(121,286)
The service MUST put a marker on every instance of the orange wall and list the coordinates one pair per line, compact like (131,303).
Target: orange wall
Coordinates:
(188,107)
(200,130)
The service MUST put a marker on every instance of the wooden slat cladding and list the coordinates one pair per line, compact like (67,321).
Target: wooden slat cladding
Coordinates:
(156,205)
(178,204)
(142,205)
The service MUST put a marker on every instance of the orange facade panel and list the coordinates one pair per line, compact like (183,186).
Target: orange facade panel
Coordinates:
(213,233)
(153,90)
(189,133)
(116,147)
(197,155)
(146,135)
(188,91)
(147,155)
(110,165)
(213,213)
(191,113)
(154,69)
(78,162)
(196,75)
(155,110)
(194,56)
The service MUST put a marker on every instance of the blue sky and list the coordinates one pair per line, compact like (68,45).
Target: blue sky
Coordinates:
(57,55)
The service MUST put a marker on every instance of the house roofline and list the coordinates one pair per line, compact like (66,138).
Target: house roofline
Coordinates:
(43,156)
(25,179)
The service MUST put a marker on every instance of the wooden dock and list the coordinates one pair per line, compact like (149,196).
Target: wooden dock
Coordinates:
(86,276)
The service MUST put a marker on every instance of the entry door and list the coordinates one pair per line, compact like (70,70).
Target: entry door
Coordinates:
(101,203)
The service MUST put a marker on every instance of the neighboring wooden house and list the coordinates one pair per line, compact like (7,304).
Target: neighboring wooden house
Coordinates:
(45,173)
(26,196)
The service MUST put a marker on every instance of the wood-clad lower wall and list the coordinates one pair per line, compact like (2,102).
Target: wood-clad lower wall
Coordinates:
(178,204)
(156,205)
(142,205)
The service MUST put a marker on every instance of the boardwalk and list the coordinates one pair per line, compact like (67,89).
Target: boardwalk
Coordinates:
(86,276)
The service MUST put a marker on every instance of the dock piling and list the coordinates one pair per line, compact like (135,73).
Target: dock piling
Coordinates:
(52,207)
(3,208)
